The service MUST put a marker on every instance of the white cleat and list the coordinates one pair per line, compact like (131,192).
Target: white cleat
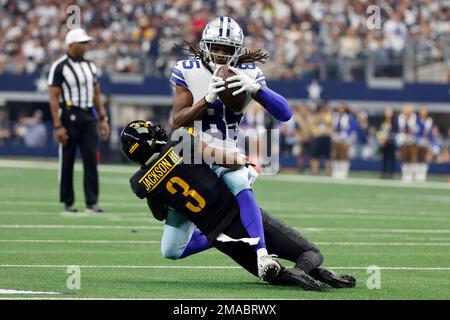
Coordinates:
(268,267)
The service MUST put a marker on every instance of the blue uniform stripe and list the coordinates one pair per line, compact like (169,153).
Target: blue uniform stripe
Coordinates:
(178,81)
(262,82)
(178,73)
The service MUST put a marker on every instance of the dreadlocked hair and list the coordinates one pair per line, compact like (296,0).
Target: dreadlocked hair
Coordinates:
(248,56)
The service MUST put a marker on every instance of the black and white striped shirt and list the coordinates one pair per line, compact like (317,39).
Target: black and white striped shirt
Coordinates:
(76,79)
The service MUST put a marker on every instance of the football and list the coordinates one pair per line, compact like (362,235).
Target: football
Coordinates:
(234,103)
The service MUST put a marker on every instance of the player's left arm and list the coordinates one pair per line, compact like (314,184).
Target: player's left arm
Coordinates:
(158,208)
(273,102)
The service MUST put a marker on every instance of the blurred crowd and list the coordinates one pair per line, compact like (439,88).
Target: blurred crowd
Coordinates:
(338,134)
(28,131)
(302,37)
(333,135)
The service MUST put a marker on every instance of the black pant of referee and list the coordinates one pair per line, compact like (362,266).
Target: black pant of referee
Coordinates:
(77,112)
(81,127)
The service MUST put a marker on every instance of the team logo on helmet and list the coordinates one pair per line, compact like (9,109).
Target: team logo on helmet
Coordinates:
(222,31)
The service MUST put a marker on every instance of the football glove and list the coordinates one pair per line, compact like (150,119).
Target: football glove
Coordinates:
(215,86)
(243,81)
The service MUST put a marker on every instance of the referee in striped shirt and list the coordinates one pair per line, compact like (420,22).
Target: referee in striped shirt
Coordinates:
(77,111)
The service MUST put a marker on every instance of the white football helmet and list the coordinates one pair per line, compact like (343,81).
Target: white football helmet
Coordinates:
(223,31)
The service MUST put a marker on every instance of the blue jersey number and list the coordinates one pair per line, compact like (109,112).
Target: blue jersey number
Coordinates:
(189,64)
(247,66)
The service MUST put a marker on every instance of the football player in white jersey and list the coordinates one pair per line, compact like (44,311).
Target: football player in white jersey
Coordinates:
(196,99)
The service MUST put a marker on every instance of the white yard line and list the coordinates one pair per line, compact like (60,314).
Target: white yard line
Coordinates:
(308,229)
(203,267)
(22,164)
(53,165)
(326,243)
(82,241)
(75,226)
(357,181)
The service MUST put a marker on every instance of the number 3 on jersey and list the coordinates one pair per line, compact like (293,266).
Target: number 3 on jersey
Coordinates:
(187,192)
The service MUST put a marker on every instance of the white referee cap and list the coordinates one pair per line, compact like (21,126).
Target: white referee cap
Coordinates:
(77,35)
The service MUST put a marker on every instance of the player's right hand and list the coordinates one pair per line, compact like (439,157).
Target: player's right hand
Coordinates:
(216,85)
(61,135)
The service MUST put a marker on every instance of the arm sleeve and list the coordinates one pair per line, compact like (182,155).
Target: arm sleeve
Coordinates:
(274,103)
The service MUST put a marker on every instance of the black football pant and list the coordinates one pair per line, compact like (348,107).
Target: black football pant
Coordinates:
(388,158)
(281,239)
(81,126)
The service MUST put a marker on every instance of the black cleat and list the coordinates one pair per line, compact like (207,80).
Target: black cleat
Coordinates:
(296,277)
(334,279)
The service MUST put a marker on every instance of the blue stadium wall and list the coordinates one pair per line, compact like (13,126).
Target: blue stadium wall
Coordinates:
(14,87)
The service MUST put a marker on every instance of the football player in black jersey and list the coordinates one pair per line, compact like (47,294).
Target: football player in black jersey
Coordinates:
(177,173)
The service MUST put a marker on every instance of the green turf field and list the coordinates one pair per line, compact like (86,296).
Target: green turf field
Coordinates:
(405,230)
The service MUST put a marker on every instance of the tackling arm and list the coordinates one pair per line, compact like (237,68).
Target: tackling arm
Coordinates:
(158,208)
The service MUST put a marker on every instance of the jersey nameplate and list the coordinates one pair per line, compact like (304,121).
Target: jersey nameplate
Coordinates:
(160,169)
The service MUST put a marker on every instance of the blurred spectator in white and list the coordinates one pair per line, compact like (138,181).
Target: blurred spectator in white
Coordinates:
(350,46)
(20,129)
(342,139)
(439,146)
(395,33)
(36,133)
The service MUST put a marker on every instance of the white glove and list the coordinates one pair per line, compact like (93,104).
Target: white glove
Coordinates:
(243,81)
(215,86)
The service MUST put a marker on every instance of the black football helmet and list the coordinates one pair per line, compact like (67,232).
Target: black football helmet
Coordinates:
(141,140)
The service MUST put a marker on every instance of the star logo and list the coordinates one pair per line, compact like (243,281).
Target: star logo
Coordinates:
(314,90)
(41,84)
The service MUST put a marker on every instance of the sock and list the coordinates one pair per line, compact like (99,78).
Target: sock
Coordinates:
(346,168)
(251,216)
(334,168)
(407,172)
(197,243)
(261,252)
(421,172)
